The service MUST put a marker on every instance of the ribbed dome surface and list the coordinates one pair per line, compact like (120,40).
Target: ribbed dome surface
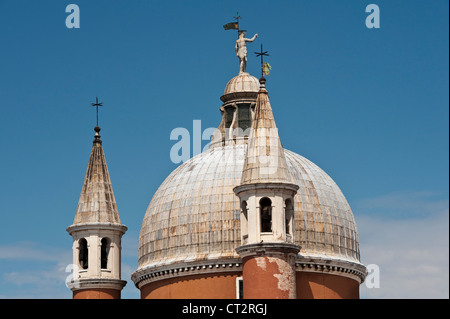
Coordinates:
(194,215)
(243,82)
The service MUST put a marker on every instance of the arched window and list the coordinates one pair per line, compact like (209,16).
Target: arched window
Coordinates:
(104,253)
(265,206)
(289,215)
(244,220)
(83,253)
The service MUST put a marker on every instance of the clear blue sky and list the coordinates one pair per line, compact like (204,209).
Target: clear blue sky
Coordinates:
(369,106)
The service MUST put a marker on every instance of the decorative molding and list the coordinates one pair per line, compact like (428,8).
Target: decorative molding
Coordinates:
(239,96)
(151,274)
(144,276)
(254,186)
(96,283)
(351,270)
(96,226)
(269,248)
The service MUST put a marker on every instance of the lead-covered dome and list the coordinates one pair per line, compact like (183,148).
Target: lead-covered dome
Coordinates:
(243,82)
(243,85)
(194,215)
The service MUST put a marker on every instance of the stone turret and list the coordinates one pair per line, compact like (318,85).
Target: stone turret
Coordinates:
(97,232)
(266,193)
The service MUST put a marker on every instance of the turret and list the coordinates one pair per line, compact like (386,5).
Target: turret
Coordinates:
(266,193)
(97,232)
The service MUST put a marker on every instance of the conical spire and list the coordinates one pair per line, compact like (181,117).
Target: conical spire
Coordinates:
(265,161)
(97,203)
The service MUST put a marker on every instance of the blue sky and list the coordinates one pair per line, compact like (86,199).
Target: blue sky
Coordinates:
(369,106)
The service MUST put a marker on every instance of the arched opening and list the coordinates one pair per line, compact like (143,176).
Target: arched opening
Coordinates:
(265,207)
(83,253)
(229,115)
(244,221)
(244,117)
(104,253)
(288,215)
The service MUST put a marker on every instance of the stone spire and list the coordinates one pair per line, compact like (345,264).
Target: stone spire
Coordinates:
(265,161)
(97,203)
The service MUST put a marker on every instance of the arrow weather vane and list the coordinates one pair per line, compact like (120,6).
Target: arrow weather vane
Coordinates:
(96,104)
(262,54)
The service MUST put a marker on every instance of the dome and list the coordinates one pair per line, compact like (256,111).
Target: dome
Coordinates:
(194,215)
(244,82)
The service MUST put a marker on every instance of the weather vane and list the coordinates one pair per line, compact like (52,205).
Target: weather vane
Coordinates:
(96,104)
(241,43)
(234,25)
(265,67)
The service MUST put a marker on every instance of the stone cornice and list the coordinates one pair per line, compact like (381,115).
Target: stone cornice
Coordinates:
(269,248)
(96,226)
(96,283)
(263,185)
(343,268)
(239,96)
(144,276)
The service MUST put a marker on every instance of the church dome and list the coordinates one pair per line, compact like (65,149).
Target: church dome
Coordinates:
(192,225)
(194,215)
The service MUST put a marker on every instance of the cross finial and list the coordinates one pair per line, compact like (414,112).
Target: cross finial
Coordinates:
(96,104)
(262,54)
(237,17)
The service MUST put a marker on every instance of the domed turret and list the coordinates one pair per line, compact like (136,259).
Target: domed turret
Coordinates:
(237,110)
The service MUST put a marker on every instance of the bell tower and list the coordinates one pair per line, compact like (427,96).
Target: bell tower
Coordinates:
(266,194)
(97,232)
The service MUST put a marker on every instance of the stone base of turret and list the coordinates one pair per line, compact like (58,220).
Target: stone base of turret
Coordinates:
(97,288)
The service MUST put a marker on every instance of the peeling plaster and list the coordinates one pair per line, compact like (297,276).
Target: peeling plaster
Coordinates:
(286,280)
(261,262)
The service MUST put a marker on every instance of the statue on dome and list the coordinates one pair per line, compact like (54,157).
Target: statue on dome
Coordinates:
(241,49)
